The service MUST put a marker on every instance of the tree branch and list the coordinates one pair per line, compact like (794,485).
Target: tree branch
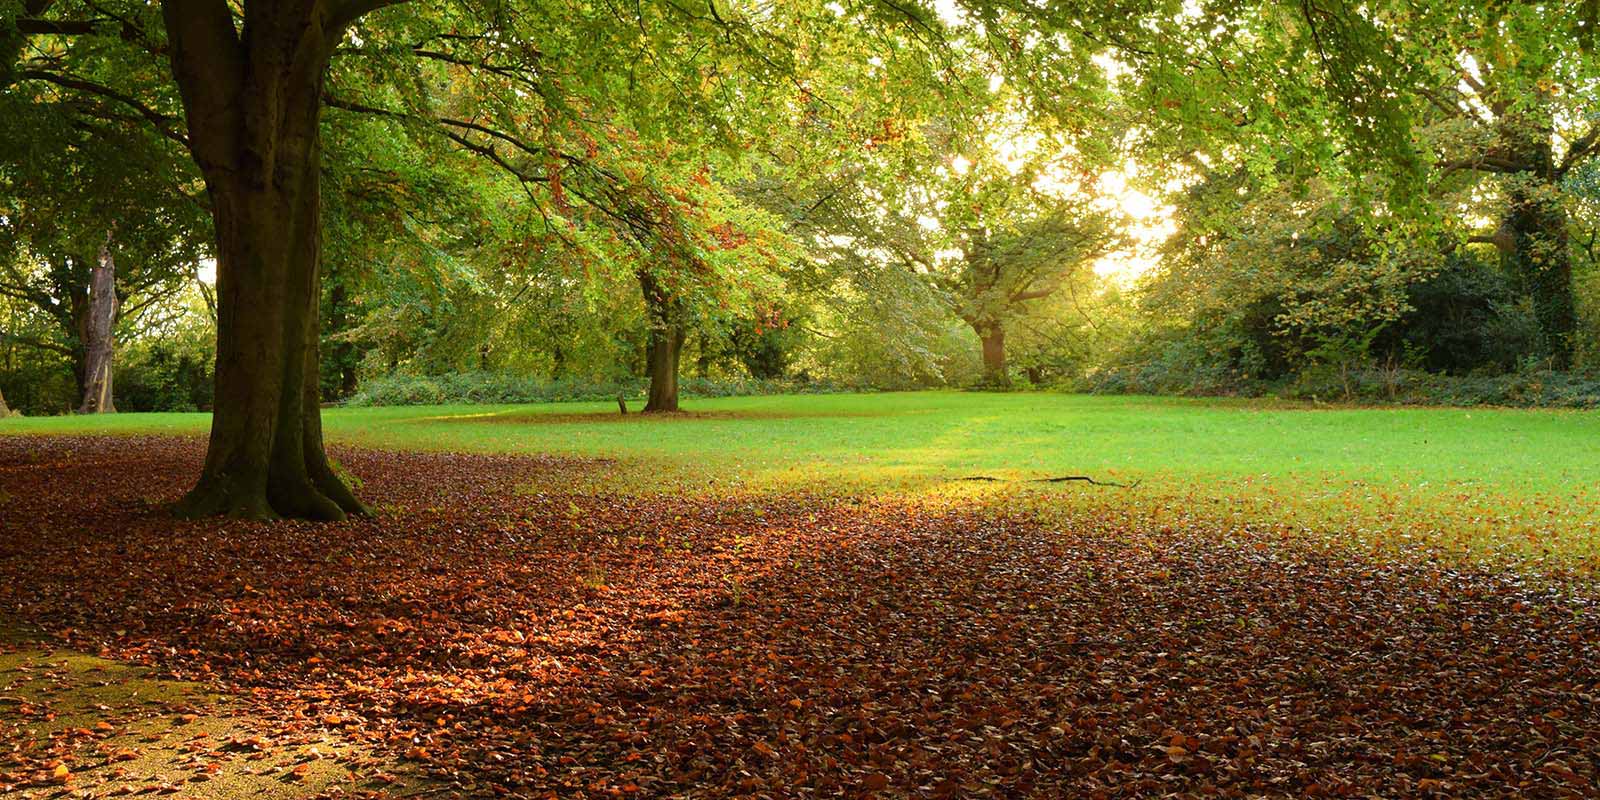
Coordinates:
(1034,294)
(347,12)
(29,341)
(161,121)
(1482,163)
(47,27)
(1580,148)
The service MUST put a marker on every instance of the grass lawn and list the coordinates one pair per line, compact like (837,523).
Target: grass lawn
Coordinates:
(1517,482)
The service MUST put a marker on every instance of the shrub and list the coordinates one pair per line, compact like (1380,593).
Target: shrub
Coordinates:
(499,388)
(1530,388)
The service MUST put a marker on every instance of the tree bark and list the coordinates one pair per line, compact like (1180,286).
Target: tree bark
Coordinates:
(99,345)
(1542,260)
(1536,221)
(993,337)
(4,411)
(665,348)
(341,350)
(253,101)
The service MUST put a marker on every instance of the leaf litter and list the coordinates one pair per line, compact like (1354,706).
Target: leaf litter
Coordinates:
(506,635)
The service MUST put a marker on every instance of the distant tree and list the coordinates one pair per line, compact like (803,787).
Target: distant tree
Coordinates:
(1007,263)
(991,205)
(1495,96)
(96,258)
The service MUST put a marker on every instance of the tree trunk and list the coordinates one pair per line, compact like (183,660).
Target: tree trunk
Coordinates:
(4,411)
(1536,220)
(253,101)
(993,337)
(665,347)
(1542,260)
(341,351)
(74,316)
(703,360)
(98,343)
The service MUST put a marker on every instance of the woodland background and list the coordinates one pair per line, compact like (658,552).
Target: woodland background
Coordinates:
(933,201)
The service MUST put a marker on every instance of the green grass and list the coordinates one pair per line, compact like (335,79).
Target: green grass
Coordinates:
(1495,478)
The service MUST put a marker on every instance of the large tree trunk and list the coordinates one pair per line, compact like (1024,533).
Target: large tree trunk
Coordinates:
(98,343)
(253,100)
(993,337)
(665,348)
(4,411)
(1542,260)
(1536,220)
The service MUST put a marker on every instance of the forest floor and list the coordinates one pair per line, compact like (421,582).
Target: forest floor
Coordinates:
(545,626)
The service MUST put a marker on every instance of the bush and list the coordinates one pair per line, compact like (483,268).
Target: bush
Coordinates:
(1175,366)
(500,388)
(163,378)
(1525,389)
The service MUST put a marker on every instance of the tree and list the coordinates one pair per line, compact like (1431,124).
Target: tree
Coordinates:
(664,316)
(252,80)
(128,204)
(253,99)
(99,345)
(993,205)
(1401,100)
(1259,275)
(1010,257)
(1506,85)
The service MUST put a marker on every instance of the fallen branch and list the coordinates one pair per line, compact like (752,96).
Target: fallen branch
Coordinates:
(1057,479)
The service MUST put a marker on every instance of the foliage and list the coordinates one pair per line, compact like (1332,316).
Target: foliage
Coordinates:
(501,388)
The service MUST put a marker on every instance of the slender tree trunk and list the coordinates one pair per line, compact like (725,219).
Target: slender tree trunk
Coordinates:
(349,379)
(75,318)
(558,362)
(703,360)
(341,351)
(99,346)
(4,411)
(253,100)
(665,347)
(993,337)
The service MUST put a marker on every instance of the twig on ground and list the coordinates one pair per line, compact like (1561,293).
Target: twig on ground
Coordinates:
(1057,479)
